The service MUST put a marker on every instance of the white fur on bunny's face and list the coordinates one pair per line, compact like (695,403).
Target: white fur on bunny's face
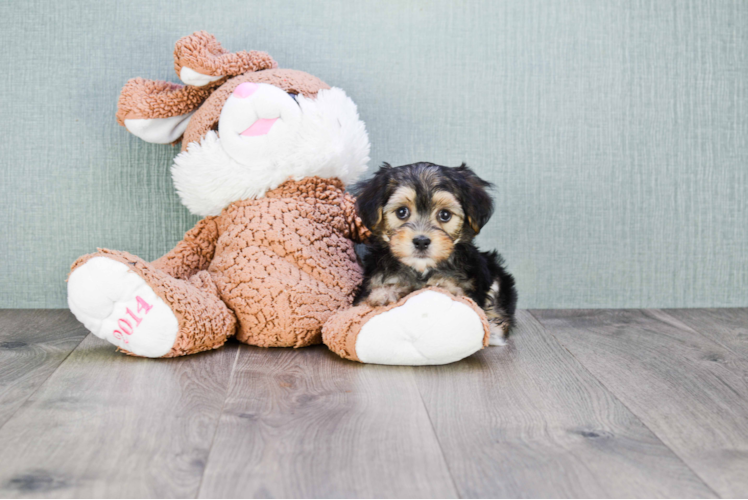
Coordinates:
(317,137)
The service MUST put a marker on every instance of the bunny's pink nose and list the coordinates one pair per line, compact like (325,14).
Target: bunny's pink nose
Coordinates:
(245,90)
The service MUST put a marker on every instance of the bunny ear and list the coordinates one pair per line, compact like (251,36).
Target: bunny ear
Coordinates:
(200,60)
(158,111)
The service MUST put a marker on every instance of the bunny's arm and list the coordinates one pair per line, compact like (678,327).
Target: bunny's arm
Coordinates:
(356,230)
(194,253)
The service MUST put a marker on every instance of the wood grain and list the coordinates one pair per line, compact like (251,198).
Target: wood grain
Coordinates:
(690,390)
(588,403)
(109,425)
(728,327)
(33,343)
(527,420)
(305,423)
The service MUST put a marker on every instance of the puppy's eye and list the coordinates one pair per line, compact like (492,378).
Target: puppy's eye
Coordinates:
(445,215)
(402,213)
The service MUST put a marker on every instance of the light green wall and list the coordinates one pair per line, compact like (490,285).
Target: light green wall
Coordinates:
(616,132)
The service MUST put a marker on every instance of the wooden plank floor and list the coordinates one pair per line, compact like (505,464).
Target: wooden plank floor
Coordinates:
(687,388)
(594,403)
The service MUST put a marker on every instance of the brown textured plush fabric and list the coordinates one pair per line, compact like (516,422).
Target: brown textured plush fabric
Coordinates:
(271,270)
(285,263)
(290,80)
(141,98)
(201,52)
(341,331)
(204,320)
(194,253)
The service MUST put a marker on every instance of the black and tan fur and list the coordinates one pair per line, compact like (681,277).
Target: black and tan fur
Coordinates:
(423,219)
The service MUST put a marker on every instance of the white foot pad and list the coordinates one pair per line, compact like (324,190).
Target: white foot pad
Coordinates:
(428,329)
(117,305)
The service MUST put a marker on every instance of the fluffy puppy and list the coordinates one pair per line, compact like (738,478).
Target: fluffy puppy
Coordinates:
(423,218)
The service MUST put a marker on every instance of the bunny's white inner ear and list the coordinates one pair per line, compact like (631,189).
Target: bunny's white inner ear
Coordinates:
(191,77)
(159,130)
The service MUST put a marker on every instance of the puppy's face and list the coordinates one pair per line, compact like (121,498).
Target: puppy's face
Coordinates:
(422,210)
(421,225)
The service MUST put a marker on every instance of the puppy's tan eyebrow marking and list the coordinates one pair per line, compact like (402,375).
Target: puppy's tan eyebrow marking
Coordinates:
(445,199)
(403,196)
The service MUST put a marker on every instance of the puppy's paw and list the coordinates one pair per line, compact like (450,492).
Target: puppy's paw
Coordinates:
(385,295)
(499,332)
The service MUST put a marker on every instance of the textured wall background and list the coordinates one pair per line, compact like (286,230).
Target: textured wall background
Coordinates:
(616,132)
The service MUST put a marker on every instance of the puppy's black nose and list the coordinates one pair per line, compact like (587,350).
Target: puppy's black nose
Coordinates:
(421,242)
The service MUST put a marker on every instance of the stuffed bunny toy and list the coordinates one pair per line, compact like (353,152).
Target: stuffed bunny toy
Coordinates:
(266,156)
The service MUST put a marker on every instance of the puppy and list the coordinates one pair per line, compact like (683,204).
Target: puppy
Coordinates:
(423,218)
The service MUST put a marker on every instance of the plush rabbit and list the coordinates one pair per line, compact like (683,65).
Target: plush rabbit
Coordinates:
(266,155)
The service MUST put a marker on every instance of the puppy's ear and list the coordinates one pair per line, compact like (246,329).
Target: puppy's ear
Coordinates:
(371,196)
(476,201)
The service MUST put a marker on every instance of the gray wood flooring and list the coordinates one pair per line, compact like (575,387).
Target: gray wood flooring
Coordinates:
(580,403)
